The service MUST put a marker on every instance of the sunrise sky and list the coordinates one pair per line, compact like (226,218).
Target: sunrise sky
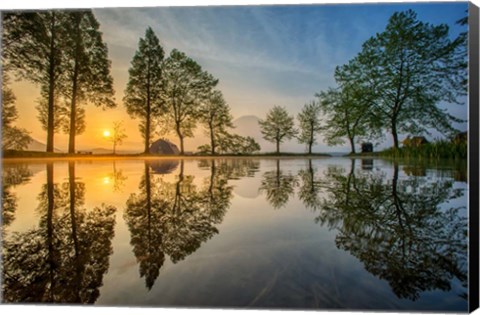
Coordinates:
(262,55)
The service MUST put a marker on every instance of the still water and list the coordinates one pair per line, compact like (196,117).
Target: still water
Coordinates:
(331,233)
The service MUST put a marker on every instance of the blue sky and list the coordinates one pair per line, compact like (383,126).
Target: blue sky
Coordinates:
(264,55)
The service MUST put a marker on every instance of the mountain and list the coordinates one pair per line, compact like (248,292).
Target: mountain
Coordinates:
(109,151)
(248,126)
(36,145)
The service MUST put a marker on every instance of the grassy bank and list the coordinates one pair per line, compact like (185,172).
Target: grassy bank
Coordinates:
(429,151)
(12,154)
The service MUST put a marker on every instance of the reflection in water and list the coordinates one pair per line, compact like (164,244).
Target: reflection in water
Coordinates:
(11,177)
(174,218)
(278,186)
(406,229)
(65,257)
(310,188)
(398,229)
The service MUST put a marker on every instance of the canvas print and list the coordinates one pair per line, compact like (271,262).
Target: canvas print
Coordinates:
(264,157)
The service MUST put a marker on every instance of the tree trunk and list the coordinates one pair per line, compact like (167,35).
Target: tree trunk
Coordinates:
(352,145)
(180,137)
(310,143)
(147,129)
(212,139)
(278,147)
(51,88)
(395,135)
(73,105)
(73,113)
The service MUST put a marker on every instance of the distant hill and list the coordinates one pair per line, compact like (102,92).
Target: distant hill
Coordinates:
(110,151)
(36,145)
(247,126)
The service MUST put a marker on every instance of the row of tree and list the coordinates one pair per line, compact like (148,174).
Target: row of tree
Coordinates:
(393,85)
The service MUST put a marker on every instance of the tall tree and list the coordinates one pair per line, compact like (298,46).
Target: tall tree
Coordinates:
(12,137)
(347,115)
(215,116)
(186,86)
(34,44)
(310,125)
(143,95)
(411,67)
(278,126)
(87,71)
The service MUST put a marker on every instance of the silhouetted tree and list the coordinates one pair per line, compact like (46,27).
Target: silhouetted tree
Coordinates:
(118,135)
(277,126)
(143,95)
(34,43)
(278,186)
(310,125)
(12,137)
(216,117)
(186,87)
(86,71)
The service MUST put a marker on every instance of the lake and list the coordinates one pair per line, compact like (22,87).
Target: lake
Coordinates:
(325,233)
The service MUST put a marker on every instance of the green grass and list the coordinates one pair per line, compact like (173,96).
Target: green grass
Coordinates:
(440,149)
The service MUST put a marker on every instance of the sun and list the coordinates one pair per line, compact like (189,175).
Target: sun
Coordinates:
(106,133)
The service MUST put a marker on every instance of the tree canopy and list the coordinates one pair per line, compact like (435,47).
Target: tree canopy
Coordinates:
(278,126)
(143,95)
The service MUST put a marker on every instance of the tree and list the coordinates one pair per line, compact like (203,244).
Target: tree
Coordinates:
(277,126)
(34,44)
(186,86)
(228,143)
(346,114)
(118,134)
(87,71)
(12,137)
(143,95)
(309,124)
(215,115)
(411,67)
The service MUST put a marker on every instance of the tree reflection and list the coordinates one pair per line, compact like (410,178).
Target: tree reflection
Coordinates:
(174,218)
(278,186)
(65,257)
(13,175)
(118,178)
(403,229)
(310,188)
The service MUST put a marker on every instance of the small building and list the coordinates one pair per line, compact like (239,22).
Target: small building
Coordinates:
(163,147)
(414,142)
(367,147)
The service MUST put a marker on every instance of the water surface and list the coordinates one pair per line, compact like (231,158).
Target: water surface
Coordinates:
(332,233)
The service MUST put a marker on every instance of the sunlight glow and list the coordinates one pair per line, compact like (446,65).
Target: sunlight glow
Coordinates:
(106,133)
(106,180)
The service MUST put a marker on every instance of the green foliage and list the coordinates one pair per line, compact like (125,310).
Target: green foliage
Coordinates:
(186,87)
(440,149)
(13,138)
(34,43)
(310,124)
(215,115)
(278,186)
(410,67)
(86,73)
(278,126)
(143,95)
